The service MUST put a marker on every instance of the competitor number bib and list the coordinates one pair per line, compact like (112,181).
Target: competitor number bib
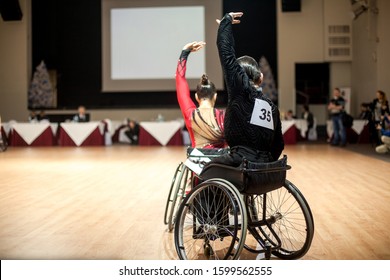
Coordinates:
(262,114)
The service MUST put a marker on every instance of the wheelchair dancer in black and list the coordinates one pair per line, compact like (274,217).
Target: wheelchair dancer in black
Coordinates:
(252,122)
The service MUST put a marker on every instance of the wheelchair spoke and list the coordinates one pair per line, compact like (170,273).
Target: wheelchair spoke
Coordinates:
(205,227)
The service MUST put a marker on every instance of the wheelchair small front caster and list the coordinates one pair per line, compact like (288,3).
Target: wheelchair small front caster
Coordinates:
(208,250)
(267,253)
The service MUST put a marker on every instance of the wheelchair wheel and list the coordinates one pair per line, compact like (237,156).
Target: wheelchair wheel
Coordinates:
(289,219)
(176,194)
(211,222)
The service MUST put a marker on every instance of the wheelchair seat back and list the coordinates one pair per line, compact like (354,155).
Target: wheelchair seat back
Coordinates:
(250,177)
(215,170)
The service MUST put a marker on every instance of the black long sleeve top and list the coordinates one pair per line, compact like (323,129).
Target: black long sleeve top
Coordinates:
(245,122)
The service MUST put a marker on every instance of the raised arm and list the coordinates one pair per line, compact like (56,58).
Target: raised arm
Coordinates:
(182,89)
(233,73)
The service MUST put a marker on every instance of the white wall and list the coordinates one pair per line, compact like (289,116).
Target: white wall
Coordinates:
(383,46)
(371,64)
(364,66)
(338,12)
(299,39)
(15,65)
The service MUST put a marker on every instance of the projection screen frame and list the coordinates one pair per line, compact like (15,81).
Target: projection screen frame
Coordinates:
(213,11)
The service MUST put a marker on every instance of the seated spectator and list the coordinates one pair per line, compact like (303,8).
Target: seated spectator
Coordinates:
(132,131)
(365,112)
(81,115)
(384,128)
(32,118)
(42,116)
(379,107)
(289,115)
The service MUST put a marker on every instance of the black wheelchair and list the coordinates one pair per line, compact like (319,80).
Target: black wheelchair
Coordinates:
(182,181)
(225,203)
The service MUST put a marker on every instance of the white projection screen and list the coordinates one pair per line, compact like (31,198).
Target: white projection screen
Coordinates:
(142,40)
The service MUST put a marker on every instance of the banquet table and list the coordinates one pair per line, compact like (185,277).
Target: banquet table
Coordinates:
(82,134)
(161,133)
(293,130)
(115,130)
(358,133)
(33,134)
(5,130)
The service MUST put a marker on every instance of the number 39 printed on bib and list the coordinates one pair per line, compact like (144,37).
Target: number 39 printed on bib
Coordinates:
(262,114)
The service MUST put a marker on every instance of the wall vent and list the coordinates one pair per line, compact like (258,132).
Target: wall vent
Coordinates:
(338,43)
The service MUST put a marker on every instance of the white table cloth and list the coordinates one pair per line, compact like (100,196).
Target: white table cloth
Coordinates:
(78,132)
(286,125)
(357,126)
(7,127)
(31,131)
(300,124)
(162,131)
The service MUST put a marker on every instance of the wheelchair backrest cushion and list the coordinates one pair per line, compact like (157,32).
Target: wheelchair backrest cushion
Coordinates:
(232,174)
(253,178)
(261,178)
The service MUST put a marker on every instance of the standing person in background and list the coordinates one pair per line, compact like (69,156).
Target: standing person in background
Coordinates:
(308,116)
(205,122)
(336,110)
(81,115)
(379,107)
(253,129)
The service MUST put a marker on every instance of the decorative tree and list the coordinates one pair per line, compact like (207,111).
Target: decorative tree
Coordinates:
(41,94)
(268,85)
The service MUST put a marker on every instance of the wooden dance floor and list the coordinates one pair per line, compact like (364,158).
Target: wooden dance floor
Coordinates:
(108,202)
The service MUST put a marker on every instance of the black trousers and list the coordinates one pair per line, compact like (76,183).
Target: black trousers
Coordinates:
(237,154)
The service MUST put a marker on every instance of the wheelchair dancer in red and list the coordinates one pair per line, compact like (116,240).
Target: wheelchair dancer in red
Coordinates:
(205,127)
(204,123)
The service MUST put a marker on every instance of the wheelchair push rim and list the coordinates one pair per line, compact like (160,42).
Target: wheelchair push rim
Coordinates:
(211,222)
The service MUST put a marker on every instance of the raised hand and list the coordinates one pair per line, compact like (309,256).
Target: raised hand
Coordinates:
(194,46)
(235,17)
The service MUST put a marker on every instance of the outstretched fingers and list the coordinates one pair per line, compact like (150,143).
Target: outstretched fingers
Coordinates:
(197,46)
(235,17)
(194,46)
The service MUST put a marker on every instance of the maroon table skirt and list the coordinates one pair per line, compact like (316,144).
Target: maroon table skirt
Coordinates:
(146,139)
